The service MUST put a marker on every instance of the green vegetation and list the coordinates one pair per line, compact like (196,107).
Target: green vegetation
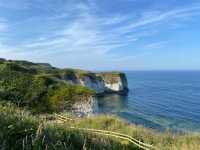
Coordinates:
(21,130)
(44,88)
(38,87)
(27,89)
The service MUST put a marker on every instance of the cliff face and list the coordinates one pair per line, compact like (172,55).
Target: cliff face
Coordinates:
(115,82)
(87,107)
(106,82)
(45,88)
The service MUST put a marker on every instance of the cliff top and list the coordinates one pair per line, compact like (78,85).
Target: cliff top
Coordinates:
(44,87)
(38,86)
(46,68)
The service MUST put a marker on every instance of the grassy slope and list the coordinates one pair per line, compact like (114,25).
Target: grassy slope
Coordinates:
(165,141)
(20,129)
(38,86)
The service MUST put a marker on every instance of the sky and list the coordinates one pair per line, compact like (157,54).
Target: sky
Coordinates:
(103,34)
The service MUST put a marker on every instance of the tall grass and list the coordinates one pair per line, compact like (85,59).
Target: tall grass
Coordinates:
(163,141)
(22,130)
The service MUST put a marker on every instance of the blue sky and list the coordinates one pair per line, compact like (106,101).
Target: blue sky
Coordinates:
(103,34)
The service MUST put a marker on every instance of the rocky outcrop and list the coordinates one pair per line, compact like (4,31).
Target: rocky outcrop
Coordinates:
(106,82)
(51,80)
(115,82)
(87,107)
(95,83)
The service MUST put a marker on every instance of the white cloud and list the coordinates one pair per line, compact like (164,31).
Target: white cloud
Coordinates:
(77,33)
(84,33)
(157,17)
(45,42)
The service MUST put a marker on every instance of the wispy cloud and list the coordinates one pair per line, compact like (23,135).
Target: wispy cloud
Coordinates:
(159,17)
(88,32)
(85,32)
(76,30)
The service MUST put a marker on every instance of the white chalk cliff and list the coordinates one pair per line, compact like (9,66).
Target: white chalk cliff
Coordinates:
(101,83)
(87,107)
(108,82)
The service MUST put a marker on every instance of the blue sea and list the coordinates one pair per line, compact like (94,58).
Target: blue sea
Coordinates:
(162,100)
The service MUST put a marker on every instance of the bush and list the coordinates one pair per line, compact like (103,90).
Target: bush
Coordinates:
(40,92)
(21,130)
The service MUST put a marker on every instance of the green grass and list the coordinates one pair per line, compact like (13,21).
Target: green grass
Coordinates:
(44,88)
(27,89)
(165,140)
(38,87)
(22,130)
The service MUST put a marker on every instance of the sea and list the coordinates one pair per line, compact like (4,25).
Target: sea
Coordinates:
(161,100)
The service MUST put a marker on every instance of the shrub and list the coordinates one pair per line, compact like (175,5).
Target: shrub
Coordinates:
(21,130)
(40,92)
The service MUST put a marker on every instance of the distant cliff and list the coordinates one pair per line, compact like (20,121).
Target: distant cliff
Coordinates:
(101,83)
(105,82)
(46,88)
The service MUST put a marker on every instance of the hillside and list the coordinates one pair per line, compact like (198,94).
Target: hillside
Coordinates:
(38,86)
(22,130)
(46,88)
(101,82)
(30,94)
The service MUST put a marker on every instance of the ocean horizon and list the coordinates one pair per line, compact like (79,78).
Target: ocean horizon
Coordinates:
(161,100)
